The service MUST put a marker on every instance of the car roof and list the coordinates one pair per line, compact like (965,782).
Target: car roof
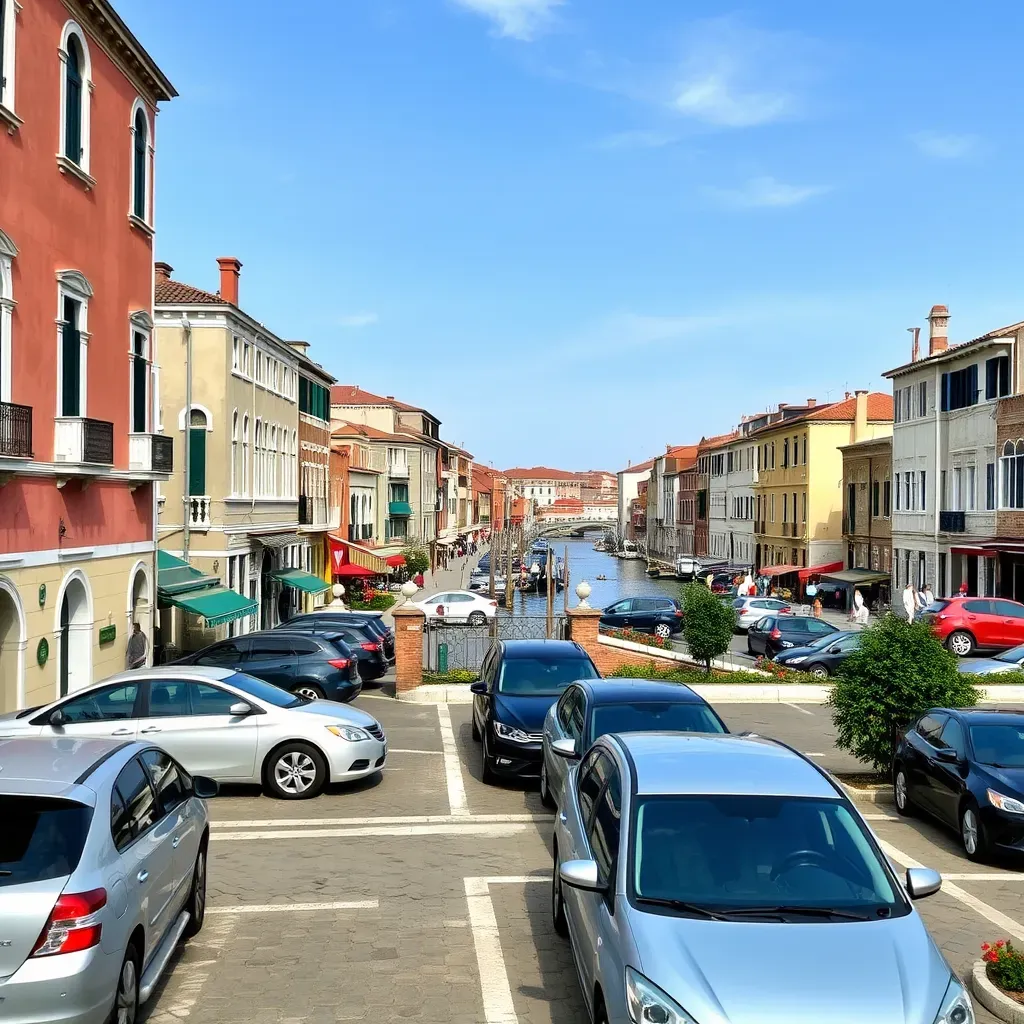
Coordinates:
(984,716)
(790,619)
(542,649)
(57,766)
(614,690)
(668,763)
(198,672)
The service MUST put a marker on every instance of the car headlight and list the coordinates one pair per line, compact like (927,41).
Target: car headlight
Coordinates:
(1005,803)
(797,661)
(956,1005)
(509,732)
(348,732)
(647,1004)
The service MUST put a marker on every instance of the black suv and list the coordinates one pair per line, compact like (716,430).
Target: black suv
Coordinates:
(326,618)
(661,616)
(519,681)
(775,633)
(308,664)
(366,644)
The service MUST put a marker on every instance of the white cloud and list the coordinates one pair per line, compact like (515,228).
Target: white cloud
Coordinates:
(358,320)
(765,191)
(515,19)
(639,139)
(944,145)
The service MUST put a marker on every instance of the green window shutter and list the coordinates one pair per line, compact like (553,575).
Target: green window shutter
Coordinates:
(197,461)
(71,362)
(73,108)
(140,375)
(139,198)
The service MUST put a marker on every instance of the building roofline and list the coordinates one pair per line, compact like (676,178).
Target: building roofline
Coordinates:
(163,90)
(955,351)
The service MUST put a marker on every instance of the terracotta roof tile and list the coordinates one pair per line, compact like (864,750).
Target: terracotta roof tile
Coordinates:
(641,467)
(178,293)
(540,473)
(343,429)
(953,350)
(352,394)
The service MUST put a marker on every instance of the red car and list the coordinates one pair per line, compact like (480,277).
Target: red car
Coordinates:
(968,624)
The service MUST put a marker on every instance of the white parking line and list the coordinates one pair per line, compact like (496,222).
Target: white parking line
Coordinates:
(295,908)
(399,750)
(415,819)
(997,917)
(184,987)
(452,765)
(1006,876)
(796,707)
(468,829)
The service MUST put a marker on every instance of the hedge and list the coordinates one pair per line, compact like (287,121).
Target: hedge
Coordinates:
(693,676)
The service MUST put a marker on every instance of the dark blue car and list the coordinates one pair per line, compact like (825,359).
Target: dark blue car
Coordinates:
(519,681)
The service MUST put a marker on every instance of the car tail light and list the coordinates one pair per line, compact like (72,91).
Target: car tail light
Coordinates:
(339,662)
(775,633)
(493,604)
(73,925)
(678,613)
(369,647)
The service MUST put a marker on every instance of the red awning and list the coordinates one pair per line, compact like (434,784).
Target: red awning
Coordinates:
(980,552)
(817,570)
(395,560)
(778,570)
(348,569)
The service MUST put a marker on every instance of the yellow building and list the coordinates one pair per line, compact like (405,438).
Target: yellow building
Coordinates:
(798,498)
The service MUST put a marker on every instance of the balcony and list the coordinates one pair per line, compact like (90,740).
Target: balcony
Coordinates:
(83,441)
(197,509)
(952,522)
(398,470)
(313,512)
(151,453)
(15,431)
(360,531)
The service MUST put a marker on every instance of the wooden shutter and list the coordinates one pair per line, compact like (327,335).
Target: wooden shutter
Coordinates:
(197,461)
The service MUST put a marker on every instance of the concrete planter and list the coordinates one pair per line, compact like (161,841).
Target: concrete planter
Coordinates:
(995,1001)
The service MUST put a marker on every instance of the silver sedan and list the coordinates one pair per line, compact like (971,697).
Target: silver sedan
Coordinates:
(224,724)
(750,609)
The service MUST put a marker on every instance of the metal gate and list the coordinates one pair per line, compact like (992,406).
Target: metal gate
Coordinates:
(447,646)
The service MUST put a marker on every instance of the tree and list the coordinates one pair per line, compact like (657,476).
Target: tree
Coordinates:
(707,623)
(416,560)
(898,672)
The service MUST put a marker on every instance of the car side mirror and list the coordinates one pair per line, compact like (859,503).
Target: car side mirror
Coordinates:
(479,688)
(204,787)
(581,874)
(240,710)
(922,882)
(834,650)
(947,755)
(566,748)
(57,719)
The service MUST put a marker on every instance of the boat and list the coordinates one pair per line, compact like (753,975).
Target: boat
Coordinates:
(601,577)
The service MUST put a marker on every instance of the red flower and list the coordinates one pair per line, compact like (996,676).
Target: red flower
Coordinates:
(985,946)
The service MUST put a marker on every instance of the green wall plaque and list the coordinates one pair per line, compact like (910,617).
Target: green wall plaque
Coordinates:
(42,594)
(107,634)
(42,652)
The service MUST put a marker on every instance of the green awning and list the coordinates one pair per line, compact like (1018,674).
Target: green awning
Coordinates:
(174,576)
(856,576)
(216,605)
(399,508)
(304,581)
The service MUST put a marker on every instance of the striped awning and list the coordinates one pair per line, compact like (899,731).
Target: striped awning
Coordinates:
(344,552)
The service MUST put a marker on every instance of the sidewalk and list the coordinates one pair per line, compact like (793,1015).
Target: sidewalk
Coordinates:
(455,577)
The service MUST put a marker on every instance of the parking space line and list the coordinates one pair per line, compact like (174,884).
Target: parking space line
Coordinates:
(400,750)
(295,908)
(1007,876)
(997,917)
(468,829)
(452,765)
(796,707)
(414,819)
(490,961)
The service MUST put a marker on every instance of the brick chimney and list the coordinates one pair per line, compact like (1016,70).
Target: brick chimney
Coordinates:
(860,420)
(163,271)
(938,330)
(811,403)
(230,267)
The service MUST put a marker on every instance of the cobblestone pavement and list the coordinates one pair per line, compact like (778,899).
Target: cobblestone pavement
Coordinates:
(423,896)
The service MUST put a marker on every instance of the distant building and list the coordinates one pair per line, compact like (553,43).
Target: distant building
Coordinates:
(543,485)
(867,504)
(630,505)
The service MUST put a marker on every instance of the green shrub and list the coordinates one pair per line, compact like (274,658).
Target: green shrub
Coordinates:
(692,676)
(899,671)
(708,624)
(455,675)
(998,679)
(1005,965)
(416,560)
(377,603)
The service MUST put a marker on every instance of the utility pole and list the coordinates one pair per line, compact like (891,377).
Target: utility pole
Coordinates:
(490,561)
(509,588)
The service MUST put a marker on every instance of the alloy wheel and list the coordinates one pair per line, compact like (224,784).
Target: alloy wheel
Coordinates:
(309,692)
(900,791)
(960,644)
(969,832)
(819,672)
(662,630)
(127,993)
(295,772)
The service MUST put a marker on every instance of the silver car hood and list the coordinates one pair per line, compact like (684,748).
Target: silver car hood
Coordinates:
(335,711)
(784,973)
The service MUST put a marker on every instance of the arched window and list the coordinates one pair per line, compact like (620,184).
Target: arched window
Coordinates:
(140,163)
(197,427)
(257,454)
(235,473)
(76,76)
(1011,475)
(245,455)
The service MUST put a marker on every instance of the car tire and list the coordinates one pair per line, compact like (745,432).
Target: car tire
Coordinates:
(196,905)
(901,792)
(545,790)
(972,833)
(295,771)
(126,998)
(309,690)
(477,619)
(961,643)
(487,775)
(558,919)
(663,629)
(818,671)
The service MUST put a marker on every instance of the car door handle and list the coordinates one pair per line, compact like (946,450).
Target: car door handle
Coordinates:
(151,728)
(561,817)
(143,875)
(121,732)
(175,842)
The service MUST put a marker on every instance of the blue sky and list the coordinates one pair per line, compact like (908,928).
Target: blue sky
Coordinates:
(579,230)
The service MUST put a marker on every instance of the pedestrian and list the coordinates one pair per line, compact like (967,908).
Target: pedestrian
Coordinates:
(929,597)
(817,607)
(860,609)
(418,580)
(909,602)
(138,648)
(963,589)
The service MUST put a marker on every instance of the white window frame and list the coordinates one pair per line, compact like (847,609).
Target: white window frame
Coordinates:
(72,28)
(257,459)
(234,453)
(140,322)
(10,27)
(8,254)
(146,220)
(246,468)
(73,284)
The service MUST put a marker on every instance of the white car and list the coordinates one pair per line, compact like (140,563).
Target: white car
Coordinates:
(752,609)
(219,723)
(458,606)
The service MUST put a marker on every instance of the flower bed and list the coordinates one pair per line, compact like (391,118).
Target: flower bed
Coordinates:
(373,601)
(635,637)
(694,676)
(453,676)
(1004,967)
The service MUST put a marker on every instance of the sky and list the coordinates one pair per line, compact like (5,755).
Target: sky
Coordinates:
(579,230)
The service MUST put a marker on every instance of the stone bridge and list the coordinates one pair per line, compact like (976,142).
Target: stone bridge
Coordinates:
(566,527)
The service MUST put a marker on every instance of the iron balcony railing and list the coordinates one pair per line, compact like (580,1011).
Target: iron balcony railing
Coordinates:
(163,453)
(952,522)
(15,430)
(98,442)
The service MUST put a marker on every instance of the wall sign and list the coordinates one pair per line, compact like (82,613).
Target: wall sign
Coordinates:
(42,652)
(107,634)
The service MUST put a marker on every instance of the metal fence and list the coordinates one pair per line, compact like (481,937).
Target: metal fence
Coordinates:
(447,646)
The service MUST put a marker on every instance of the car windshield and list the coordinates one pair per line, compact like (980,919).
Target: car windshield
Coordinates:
(1015,655)
(41,838)
(823,641)
(750,853)
(653,716)
(1001,745)
(542,677)
(265,691)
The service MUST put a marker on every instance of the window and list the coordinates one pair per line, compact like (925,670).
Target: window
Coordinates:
(960,388)
(111,704)
(168,698)
(246,358)
(8,24)
(197,430)
(924,491)
(897,492)
(773,454)
(1011,475)
(971,488)
(73,294)
(772,508)
(875,498)
(8,251)
(785,508)
(170,782)
(593,772)
(605,829)
(906,493)
(138,804)
(257,461)
(997,377)
(958,485)
(234,354)
(785,454)
(244,476)
(922,398)
(140,163)
(886,498)
(209,700)
(75,90)
(224,655)
(912,500)
(140,378)
(235,471)
(990,486)
(259,367)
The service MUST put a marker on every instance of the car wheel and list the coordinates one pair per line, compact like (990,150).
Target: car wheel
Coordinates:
(487,775)
(819,671)
(295,771)
(309,691)
(196,905)
(561,925)
(901,793)
(663,630)
(972,833)
(477,619)
(126,1001)
(545,791)
(961,643)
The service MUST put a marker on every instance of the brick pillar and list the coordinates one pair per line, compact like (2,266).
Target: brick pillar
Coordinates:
(408,648)
(583,623)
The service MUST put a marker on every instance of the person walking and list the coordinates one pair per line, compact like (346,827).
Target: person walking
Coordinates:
(817,606)
(138,648)
(860,609)
(963,589)
(929,597)
(909,601)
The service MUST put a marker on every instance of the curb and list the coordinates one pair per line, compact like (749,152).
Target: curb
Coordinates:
(872,796)
(996,1002)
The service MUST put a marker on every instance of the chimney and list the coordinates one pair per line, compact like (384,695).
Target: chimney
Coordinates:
(860,421)
(915,345)
(229,271)
(811,403)
(938,330)
(299,346)
(163,271)
(668,448)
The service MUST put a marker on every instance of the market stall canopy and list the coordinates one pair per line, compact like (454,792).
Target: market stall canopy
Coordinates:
(819,570)
(354,570)
(299,580)
(344,552)
(176,576)
(778,570)
(395,560)
(857,577)
(216,605)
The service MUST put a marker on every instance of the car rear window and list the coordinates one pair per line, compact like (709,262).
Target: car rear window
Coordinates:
(937,606)
(41,838)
